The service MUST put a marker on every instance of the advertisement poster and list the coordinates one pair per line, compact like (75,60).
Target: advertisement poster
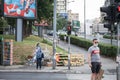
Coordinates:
(20,8)
(76,24)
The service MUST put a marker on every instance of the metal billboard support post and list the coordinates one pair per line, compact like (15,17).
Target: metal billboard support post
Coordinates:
(19,30)
(40,31)
(68,52)
(54,36)
(118,51)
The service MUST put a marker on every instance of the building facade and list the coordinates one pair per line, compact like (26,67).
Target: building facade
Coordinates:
(61,6)
(72,16)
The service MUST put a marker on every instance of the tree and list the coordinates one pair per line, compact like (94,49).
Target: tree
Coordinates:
(61,23)
(3,23)
(45,10)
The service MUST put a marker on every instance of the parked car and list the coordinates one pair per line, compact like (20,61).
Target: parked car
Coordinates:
(61,32)
(50,33)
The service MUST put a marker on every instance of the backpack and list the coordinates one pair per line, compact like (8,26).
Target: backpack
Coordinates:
(39,53)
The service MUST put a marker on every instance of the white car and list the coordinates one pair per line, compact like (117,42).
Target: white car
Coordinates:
(61,32)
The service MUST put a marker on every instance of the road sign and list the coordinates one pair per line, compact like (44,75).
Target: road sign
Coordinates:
(64,15)
(76,24)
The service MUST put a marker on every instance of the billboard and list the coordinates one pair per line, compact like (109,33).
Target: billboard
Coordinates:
(20,8)
(76,24)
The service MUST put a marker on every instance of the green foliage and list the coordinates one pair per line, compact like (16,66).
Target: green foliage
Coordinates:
(61,23)
(47,42)
(108,50)
(45,10)
(109,37)
(3,22)
(81,42)
(8,37)
(33,28)
(11,21)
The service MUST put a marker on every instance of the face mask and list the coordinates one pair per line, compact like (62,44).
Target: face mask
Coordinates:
(95,44)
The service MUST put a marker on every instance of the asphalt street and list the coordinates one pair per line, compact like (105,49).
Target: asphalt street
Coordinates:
(47,76)
(32,76)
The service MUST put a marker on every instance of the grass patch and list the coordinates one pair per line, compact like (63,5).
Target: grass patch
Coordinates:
(21,50)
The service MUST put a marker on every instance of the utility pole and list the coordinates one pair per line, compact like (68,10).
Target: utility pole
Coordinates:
(68,52)
(85,19)
(69,33)
(54,36)
(118,51)
(68,37)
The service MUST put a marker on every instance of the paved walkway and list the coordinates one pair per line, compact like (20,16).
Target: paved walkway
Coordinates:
(108,65)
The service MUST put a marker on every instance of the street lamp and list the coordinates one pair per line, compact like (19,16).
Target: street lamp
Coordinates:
(85,19)
(54,36)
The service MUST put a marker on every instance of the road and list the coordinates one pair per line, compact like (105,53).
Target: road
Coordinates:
(101,39)
(47,76)
(31,76)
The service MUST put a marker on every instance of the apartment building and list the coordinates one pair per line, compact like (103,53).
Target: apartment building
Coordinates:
(73,16)
(61,6)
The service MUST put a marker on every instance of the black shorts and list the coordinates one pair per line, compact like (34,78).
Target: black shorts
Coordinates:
(95,67)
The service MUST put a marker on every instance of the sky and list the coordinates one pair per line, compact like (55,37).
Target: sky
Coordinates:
(92,8)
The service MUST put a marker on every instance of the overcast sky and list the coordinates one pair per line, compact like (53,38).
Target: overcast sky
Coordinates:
(92,8)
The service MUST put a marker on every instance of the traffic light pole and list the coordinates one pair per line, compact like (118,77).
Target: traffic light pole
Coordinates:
(112,26)
(68,52)
(118,51)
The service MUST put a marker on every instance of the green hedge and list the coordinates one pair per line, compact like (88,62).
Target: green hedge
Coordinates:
(109,37)
(106,49)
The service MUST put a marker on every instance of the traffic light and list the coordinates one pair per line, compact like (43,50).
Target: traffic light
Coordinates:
(117,10)
(69,30)
(117,16)
(110,12)
(1,12)
(107,25)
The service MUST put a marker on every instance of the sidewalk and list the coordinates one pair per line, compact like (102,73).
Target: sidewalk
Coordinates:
(80,72)
(75,73)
